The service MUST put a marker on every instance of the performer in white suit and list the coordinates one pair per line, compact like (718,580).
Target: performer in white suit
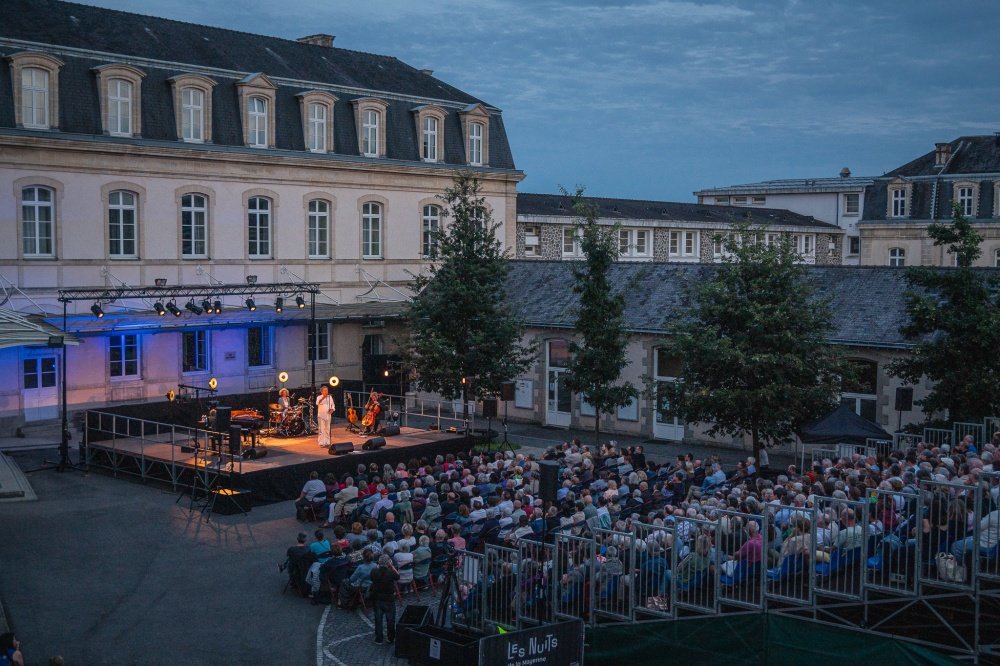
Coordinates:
(324,412)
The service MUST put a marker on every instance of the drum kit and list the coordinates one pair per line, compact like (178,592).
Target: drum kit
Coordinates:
(290,421)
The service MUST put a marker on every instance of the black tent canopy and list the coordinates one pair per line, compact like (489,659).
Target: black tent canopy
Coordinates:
(842,426)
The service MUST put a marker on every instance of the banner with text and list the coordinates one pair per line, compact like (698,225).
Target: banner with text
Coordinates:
(559,644)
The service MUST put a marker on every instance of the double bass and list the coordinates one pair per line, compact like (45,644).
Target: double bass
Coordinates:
(352,414)
(372,410)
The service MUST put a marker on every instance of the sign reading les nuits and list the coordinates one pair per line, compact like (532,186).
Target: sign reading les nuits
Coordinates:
(559,644)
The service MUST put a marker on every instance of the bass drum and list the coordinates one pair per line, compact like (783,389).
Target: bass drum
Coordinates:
(292,426)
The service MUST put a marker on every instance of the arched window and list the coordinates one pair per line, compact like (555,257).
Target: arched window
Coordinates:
(122,225)
(369,133)
(119,107)
(429,133)
(317,128)
(37,232)
(371,231)
(897,256)
(194,226)
(319,229)
(257,122)
(35,98)
(860,391)
(259,227)
(192,114)
(431,228)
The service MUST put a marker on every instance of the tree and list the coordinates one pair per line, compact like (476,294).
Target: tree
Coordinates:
(464,338)
(753,352)
(596,363)
(955,327)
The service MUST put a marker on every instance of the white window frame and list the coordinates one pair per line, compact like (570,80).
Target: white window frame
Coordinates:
(318,342)
(257,134)
(805,244)
(634,244)
(42,378)
(266,347)
(572,237)
(851,242)
(897,202)
(371,230)
(430,224)
(124,343)
(259,228)
(759,200)
(317,128)
(318,229)
(192,114)
(897,256)
(35,84)
(852,210)
(429,137)
(123,224)
(532,240)
(202,350)
(965,197)
(371,118)
(996,258)
(476,132)
(194,226)
(120,107)
(683,244)
(38,235)
(722,200)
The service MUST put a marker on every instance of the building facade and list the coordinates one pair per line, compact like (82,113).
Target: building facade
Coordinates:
(838,201)
(547,228)
(900,205)
(201,156)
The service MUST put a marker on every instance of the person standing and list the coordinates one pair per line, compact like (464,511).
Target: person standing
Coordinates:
(324,413)
(10,649)
(383,592)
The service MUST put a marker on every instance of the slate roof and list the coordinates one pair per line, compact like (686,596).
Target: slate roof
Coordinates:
(664,211)
(969,154)
(790,185)
(868,302)
(177,47)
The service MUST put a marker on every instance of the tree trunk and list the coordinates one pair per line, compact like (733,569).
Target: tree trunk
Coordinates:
(755,443)
(597,430)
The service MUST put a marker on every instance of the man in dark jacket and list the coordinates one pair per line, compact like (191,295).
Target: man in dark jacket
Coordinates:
(383,592)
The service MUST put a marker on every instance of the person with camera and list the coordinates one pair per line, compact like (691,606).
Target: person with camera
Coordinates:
(383,593)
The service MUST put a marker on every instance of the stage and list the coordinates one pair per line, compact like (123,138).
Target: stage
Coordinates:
(185,458)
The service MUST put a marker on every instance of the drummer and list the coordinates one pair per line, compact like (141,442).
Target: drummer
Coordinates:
(284,400)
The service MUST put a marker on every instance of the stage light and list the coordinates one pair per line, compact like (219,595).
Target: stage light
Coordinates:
(282,376)
(301,302)
(213,383)
(251,306)
(334,381)
(386,373)
(218,307)
(251,279)
(158,306)
(206,305)
(174,310)
(279,304)
(96,309)
(160,282)
(191,307)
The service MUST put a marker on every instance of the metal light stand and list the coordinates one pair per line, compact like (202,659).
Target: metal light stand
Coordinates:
(449,585)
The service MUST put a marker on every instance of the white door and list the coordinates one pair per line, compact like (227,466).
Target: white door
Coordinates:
(41,391)
(666,425)
(559,399)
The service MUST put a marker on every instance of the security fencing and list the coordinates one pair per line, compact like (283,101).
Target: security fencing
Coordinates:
(938,436)
(960,430)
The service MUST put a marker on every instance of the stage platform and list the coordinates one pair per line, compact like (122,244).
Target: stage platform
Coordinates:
(167,454)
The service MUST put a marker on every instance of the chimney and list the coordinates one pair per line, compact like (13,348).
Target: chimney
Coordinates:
(845,173)
(318,39)
(942,153)
(427,72)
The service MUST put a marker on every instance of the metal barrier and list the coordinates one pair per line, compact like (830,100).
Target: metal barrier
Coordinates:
(614,581)
(904,440)
(986,558)
(843,536)
(409,410)
(573,577)
(945,511)
(468,598)
(891,562)
(694,571)
(653,545)
(789,579)
(978,431)
(500,585)
(535,577)
(937,436)
(991,425)
(742,561)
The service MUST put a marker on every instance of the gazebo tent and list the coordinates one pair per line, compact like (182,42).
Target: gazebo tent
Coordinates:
(18,329)
(842,426)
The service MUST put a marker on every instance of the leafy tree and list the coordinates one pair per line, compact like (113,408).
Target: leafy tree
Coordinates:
(596,363)
(955,326)
(753,351)
(464,338)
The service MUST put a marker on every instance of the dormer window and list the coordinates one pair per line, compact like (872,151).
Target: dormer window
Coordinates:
(967,198)
(35,98)
(317,120)
(370,114)
(369,133)
(193,107)
(899,198)
(476,144)
(35,79)
(257,99)
(120,92)
(475,127)
(430,131)
(257,122)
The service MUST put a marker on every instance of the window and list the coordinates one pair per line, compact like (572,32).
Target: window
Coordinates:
(259,353)
(319,229)
(39,372)
(758,201)
(633,243)
(35,98)
(194,226)
(996,258)
(123,356)
(532,241)
(571,246)
(859,392)
(257,122)
(369,133)
(965,197)
(316,134)
(192,115)
(476,144)
(121,225)
(805,244)
(36,222)
(854,245)
(898,202)
(259,227)
(683,244)
(430,229)
(429,136)
(897,256)
(373,345)
(119,107)
(475,129)
(194,352)
(772,239)
(629,412)
(722,200)
(739,201)
(319,342)
(371,231)
(852,204)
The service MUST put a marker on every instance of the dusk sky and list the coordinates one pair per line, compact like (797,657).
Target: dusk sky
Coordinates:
(657,99)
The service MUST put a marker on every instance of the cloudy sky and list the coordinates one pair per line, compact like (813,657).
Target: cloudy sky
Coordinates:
(657,98)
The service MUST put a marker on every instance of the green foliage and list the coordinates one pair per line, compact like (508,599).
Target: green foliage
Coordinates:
(753,352)
(596,362)
(955,326)
(460,325)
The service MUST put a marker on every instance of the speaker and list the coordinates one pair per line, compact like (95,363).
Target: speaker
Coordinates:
(490,408)
(255,452)
(548,482)
(235,438)
(373,444)
(507,390)
(904,398)
(223,418)
(340,448)
(389,430)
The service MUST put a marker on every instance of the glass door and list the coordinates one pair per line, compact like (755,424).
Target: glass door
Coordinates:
(558,408)
(41,390)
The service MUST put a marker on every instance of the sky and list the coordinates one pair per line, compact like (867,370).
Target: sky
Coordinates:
(654,99)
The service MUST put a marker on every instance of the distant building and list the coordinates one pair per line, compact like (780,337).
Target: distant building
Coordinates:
(547,228)
(837,201)
(900,205)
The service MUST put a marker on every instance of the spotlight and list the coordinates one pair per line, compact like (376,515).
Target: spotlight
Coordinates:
(160,282)
(191,307)
(218,307)
(386,373)
(251,279)
(206,305)
(158,306)
(301,302)
(96,309)
(251,306)
(174,310)
(279,304)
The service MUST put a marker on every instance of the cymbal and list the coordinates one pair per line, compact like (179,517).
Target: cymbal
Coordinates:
(274,406)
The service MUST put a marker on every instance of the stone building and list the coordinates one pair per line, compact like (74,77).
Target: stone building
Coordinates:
(663,230)
(136,149)
(900,205)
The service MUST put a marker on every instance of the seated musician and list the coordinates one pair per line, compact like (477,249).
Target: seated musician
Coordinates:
(284,401)
(373,408)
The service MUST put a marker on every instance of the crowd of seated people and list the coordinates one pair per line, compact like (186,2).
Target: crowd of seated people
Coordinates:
(687,518)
